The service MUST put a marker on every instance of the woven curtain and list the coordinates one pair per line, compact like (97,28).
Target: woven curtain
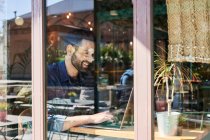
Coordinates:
(188,30)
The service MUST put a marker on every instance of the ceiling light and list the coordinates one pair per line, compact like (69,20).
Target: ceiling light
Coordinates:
(19,21)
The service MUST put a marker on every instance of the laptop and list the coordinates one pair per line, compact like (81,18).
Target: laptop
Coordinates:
(123,116)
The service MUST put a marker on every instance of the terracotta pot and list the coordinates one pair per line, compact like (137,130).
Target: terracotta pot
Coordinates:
(161,105)
(179,131)
(3,115)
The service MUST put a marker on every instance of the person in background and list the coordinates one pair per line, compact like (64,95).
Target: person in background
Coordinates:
(73,71)
(52,49)
(127,77)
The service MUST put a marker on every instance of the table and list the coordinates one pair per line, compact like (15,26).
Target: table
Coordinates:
(10,97)
(15,81)
(129,134)
(12,120)
(67,102)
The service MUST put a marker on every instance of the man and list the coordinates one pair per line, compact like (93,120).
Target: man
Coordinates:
(73,72)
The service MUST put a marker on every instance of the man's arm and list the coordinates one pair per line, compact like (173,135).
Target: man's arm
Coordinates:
(86,119)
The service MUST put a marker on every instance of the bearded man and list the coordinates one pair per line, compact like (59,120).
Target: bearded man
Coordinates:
(74,70)
(70,73)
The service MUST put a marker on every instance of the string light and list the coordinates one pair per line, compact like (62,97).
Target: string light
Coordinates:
(68,15)
(89,23)
(91,29)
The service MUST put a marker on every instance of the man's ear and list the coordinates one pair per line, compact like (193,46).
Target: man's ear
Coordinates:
(70,49)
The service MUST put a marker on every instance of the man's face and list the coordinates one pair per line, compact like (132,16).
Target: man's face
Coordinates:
(83,56)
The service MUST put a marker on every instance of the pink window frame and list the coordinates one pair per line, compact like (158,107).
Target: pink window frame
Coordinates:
(38,68)
(143,95)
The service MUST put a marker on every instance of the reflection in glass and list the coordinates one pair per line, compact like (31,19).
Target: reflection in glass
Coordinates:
(15,69)
(181,78)
(89,65)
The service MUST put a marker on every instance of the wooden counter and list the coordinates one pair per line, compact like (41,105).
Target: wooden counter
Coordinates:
(186,135)
(129,134)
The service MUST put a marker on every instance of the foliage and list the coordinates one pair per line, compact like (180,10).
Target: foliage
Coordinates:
(182,119)
(54,56)
(20,61)
(113,54)
(171,76)
(72,94)
(4,106)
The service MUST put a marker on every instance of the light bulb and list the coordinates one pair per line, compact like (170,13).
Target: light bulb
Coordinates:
(19,21)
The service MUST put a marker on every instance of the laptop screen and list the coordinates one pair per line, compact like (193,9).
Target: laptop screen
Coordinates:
(122,111)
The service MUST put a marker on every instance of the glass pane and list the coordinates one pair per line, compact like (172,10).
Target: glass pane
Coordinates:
(15,69)
(181,68)
(89,65)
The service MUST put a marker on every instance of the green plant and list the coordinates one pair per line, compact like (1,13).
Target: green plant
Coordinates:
(20,62)
(114,55)
(182,119)
(4,106)
(171,76)
(72,94)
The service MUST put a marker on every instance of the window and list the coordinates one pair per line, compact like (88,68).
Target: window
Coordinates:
(15,70)
(181,61)
(89,67)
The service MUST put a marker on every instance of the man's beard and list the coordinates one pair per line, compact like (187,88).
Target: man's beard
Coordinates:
(77,64)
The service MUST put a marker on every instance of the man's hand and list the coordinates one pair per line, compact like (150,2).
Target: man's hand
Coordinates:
(101,117)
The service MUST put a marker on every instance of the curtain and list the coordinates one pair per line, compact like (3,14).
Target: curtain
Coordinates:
(188,30)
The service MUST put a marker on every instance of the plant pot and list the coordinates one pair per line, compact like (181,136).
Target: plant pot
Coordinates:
(179,131)
(167,124)
(72,99)
(161,105)
(3,115)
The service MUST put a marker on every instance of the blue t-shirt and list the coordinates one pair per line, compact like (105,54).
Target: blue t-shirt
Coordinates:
(59,82)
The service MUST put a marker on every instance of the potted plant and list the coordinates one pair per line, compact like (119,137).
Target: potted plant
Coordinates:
(171,77)
(3,110)
(181,122)
(72,95)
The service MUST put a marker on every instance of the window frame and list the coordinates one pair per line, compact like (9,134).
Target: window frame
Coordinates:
(38,68)
(143,97)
